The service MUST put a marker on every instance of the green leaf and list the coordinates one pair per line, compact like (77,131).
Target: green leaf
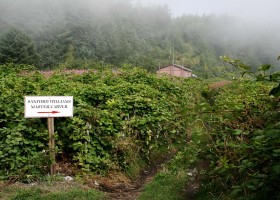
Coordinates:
(276,169)
(264,67)
(260,77)
(236,191)
(275,91)
(275,76)
(243,73)
(237,132)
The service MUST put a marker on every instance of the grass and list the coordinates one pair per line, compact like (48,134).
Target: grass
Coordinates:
(164,187)
(57,191)
(73,194)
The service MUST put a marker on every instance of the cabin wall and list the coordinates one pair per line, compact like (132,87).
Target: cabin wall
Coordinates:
(175,71)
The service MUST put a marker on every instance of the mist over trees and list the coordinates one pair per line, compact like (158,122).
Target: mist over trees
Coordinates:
(88,34)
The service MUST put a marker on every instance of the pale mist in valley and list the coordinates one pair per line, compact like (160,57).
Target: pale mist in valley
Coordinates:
(143,33)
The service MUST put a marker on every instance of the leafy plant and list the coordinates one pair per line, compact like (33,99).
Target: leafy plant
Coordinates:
(244,137)
(110,110)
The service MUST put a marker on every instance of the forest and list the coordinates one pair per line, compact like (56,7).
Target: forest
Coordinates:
(135,134)
(112,34)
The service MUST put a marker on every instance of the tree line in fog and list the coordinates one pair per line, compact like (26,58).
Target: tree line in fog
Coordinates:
(89,34)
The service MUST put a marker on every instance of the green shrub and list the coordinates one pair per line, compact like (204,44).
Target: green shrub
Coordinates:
(244,140)
(109,110)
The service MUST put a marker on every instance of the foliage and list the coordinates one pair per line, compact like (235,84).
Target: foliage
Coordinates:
(122,118)
(17,47)
(244,137)
(261,74)
(179,177)
(22,141)
(114,113)
(191,155)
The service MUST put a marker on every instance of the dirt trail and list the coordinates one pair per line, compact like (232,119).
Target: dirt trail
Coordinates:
(121,188)
(132,191)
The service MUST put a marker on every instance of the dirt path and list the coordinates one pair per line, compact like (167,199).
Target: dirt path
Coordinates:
(119,187)
(132,191)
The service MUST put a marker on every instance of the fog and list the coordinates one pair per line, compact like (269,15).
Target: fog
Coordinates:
(242,22)
(262,15)
(250,9)
(259,13)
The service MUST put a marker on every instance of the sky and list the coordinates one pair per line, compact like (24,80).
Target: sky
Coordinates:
(251,9)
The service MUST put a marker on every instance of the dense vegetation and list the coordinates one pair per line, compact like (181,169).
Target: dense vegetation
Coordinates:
(245,144)
(244,135)
(114,33)
(120,119)
(236,134)
(126,120)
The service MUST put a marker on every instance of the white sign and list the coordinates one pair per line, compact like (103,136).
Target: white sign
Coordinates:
(48,106)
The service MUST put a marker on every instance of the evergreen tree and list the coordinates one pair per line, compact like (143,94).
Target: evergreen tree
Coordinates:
(16,47)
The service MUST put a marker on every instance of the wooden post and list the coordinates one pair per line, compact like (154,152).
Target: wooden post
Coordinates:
(51,144)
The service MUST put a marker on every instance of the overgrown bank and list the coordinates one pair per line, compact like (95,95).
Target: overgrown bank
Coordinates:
(244,141)
(122,121)
(226,139)
(233,152)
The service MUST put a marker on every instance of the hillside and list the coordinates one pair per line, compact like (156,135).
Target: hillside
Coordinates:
(117,33)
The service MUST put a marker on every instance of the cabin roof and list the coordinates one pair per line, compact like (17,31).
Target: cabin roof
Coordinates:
(178,66)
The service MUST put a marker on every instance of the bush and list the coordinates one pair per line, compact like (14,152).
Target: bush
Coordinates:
(109,110)
(244,139)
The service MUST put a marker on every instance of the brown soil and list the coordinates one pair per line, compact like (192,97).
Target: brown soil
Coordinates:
(117,185)
(131,189)
(120,187)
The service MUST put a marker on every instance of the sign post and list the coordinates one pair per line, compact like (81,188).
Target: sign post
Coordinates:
(51,144)
(49,107)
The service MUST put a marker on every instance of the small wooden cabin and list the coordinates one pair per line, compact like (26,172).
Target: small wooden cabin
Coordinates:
(176,70)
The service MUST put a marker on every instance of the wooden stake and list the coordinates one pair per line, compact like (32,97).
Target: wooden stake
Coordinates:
(51,144)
